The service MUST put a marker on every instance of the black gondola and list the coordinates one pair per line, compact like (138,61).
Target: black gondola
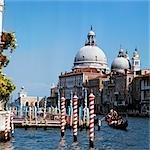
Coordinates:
(115,121)
(121,126)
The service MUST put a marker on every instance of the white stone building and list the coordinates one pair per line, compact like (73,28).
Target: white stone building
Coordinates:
(23,102)
(90,62)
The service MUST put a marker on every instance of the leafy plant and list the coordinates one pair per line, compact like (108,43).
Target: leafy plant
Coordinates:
(6,86)
(8,42)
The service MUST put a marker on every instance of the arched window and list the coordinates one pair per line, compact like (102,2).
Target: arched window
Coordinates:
(27,103)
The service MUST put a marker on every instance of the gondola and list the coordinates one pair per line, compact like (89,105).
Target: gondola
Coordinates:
(122,126)
(115,121)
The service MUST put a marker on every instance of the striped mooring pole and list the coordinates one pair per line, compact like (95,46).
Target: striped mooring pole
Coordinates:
(12,123)
(71,109)
(62,116)
(75,118)
(6,126)
(91,140)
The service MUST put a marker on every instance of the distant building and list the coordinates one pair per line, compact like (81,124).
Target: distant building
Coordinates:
(24,101)
(140,93)
(53,99)
(115,91)
(124,87)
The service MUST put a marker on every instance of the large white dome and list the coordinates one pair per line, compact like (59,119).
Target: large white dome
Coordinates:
(90,56)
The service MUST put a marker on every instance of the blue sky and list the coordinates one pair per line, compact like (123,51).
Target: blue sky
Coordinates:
(50,33)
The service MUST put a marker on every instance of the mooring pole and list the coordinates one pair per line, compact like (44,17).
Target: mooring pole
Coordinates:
(12,123)
(63,122)
(71,110)
(6,126)
(75,118)
(58,102)
(91,133)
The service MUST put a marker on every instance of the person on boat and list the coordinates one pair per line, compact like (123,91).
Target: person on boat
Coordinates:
(111,112)
(119,120)
(99,124)
(113,122)
(115,114)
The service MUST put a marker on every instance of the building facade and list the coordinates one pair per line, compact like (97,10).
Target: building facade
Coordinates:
(90,63)
(24,102)
(140,93)
(122,87)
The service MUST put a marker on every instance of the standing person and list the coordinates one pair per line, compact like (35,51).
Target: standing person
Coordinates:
(99,124)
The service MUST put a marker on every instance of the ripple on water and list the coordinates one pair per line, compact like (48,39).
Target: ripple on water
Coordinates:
(135,138)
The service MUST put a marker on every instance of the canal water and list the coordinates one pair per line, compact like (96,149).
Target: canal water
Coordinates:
(135,138)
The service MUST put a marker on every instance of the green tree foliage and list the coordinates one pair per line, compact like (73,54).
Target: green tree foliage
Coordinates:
(8,42)
(6,87)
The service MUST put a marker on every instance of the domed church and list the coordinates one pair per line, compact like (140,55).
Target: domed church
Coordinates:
(122,62)
(90,71)
(90,62)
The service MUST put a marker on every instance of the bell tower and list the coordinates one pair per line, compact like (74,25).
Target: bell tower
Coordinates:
(22,93)
(135,61)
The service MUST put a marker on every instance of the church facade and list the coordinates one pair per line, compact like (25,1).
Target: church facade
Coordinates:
(90,63)
(111,87)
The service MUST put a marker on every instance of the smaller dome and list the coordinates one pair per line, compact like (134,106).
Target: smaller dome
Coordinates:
(120,63)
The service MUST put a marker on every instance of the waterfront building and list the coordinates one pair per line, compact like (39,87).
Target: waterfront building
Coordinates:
(112,88)
(24,102)
(128,86)
(115,91)
(97,86)
(139,91)
(90,63)
(53,99)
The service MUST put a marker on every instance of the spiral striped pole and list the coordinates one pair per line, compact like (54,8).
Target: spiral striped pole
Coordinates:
(6,126)
(91,99)
(58,102)
(62,116)
(71,109)
(12,123)
(75,118)
(85,109)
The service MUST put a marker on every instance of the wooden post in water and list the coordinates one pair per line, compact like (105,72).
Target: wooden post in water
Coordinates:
(71,109)
(30,113)
(86,112)
(63,122)
(45,107)
(6,127)
(91,133)
(12,123)
(35,115)
(75,118)
(58,102)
